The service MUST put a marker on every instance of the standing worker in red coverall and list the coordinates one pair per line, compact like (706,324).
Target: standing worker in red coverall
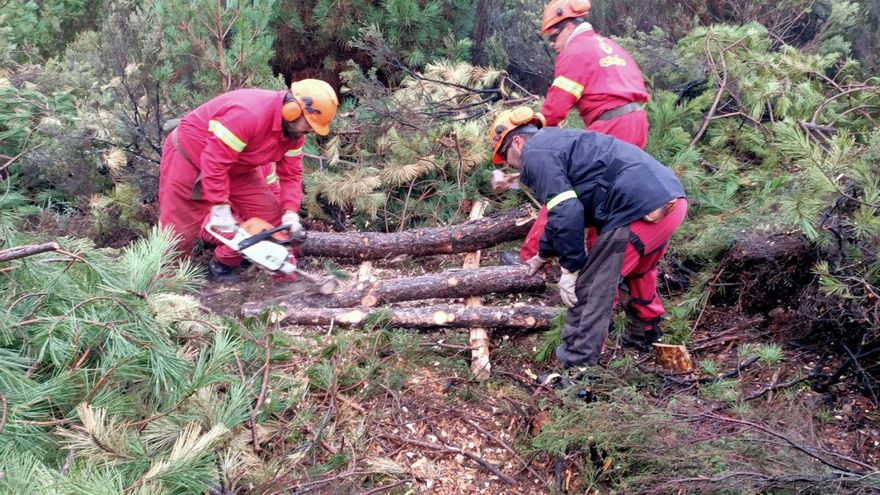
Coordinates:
(594,74)
(212,162)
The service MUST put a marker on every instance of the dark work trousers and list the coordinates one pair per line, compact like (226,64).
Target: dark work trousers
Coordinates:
(587,322)
(631,253)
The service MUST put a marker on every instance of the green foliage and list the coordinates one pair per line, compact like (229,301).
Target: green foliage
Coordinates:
(768,354)
(147,390)
(551,339)
(709,367)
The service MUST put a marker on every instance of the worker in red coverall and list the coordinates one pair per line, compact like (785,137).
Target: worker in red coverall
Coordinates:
(211,163)
(594,74)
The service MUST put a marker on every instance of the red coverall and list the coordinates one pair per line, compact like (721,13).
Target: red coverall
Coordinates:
(596,74)
(228,140)
(224,254)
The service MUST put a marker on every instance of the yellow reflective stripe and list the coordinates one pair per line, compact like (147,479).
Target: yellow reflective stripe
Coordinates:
(569,86)
(272,177)
(225,135)
(559,198)
(294,152)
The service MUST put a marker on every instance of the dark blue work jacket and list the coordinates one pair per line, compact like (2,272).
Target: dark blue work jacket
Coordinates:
(590,179)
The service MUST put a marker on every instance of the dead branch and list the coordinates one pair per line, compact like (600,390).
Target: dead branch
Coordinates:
(721,88)
(449,449)
(263,385)
(805,449)
(17,252)
(3,417)
(526,465)
(775,387)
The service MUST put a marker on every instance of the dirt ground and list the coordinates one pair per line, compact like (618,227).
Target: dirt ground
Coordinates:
(437,431)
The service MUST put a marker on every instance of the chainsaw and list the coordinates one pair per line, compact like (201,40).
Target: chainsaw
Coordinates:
(268,248)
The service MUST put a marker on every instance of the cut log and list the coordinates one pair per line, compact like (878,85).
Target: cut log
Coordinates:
(470,236)
(445,285)
(673,357)
(479,338)
(24,251)
(443,316)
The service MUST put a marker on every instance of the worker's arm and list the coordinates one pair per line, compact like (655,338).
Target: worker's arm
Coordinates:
(290,172)
(569,80)
(544,172)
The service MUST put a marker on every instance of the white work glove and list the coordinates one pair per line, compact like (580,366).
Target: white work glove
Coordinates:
(502,181)
(221,219)
(292,219)
(535,263)
(567,283)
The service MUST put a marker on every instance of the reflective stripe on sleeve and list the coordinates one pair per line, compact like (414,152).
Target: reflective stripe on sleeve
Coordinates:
(272,177)
(294,152)
(225,135)
(569,86)
(559,198)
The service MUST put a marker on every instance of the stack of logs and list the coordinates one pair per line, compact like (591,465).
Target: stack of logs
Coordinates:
(353,306)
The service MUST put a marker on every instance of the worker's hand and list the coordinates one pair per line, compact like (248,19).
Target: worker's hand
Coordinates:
(503,182)
(567,283)
(292,219)
(221,218)
(535,264)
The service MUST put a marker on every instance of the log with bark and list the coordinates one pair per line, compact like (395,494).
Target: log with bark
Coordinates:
(445,285)
(474,235)
(523,317)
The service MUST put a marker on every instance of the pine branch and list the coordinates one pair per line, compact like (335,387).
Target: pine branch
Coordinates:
(24,251)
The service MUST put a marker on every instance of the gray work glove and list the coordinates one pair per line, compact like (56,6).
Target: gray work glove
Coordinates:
(221,219)
(535,264)
(292,218)
(567,283)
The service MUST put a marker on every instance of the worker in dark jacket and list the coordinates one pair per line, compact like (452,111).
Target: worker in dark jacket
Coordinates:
(631,204)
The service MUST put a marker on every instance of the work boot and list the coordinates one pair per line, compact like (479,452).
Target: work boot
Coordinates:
(510,258)
(642,334)
(221,272)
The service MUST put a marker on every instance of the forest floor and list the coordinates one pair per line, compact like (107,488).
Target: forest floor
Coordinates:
(395,411)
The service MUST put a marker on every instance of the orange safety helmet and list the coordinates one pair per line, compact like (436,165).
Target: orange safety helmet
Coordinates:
(507,121)
(314,99)
(559,10)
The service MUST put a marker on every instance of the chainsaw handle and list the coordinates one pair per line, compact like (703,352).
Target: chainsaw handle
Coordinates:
(264,235)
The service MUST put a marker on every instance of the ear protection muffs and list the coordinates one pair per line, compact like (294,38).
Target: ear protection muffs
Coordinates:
(291,110)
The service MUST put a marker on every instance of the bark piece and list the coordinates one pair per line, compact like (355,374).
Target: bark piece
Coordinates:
(479,337)
(30,250)
(441,316)
(445,285)
(673,357)
(470,236)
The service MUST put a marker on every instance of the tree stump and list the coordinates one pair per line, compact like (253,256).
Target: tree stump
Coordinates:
(673,357)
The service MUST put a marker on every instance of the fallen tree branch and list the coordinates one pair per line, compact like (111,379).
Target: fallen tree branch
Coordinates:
(29,250)
(805,449)
(443,316)
(456,450)
(445,285)
(470,236)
